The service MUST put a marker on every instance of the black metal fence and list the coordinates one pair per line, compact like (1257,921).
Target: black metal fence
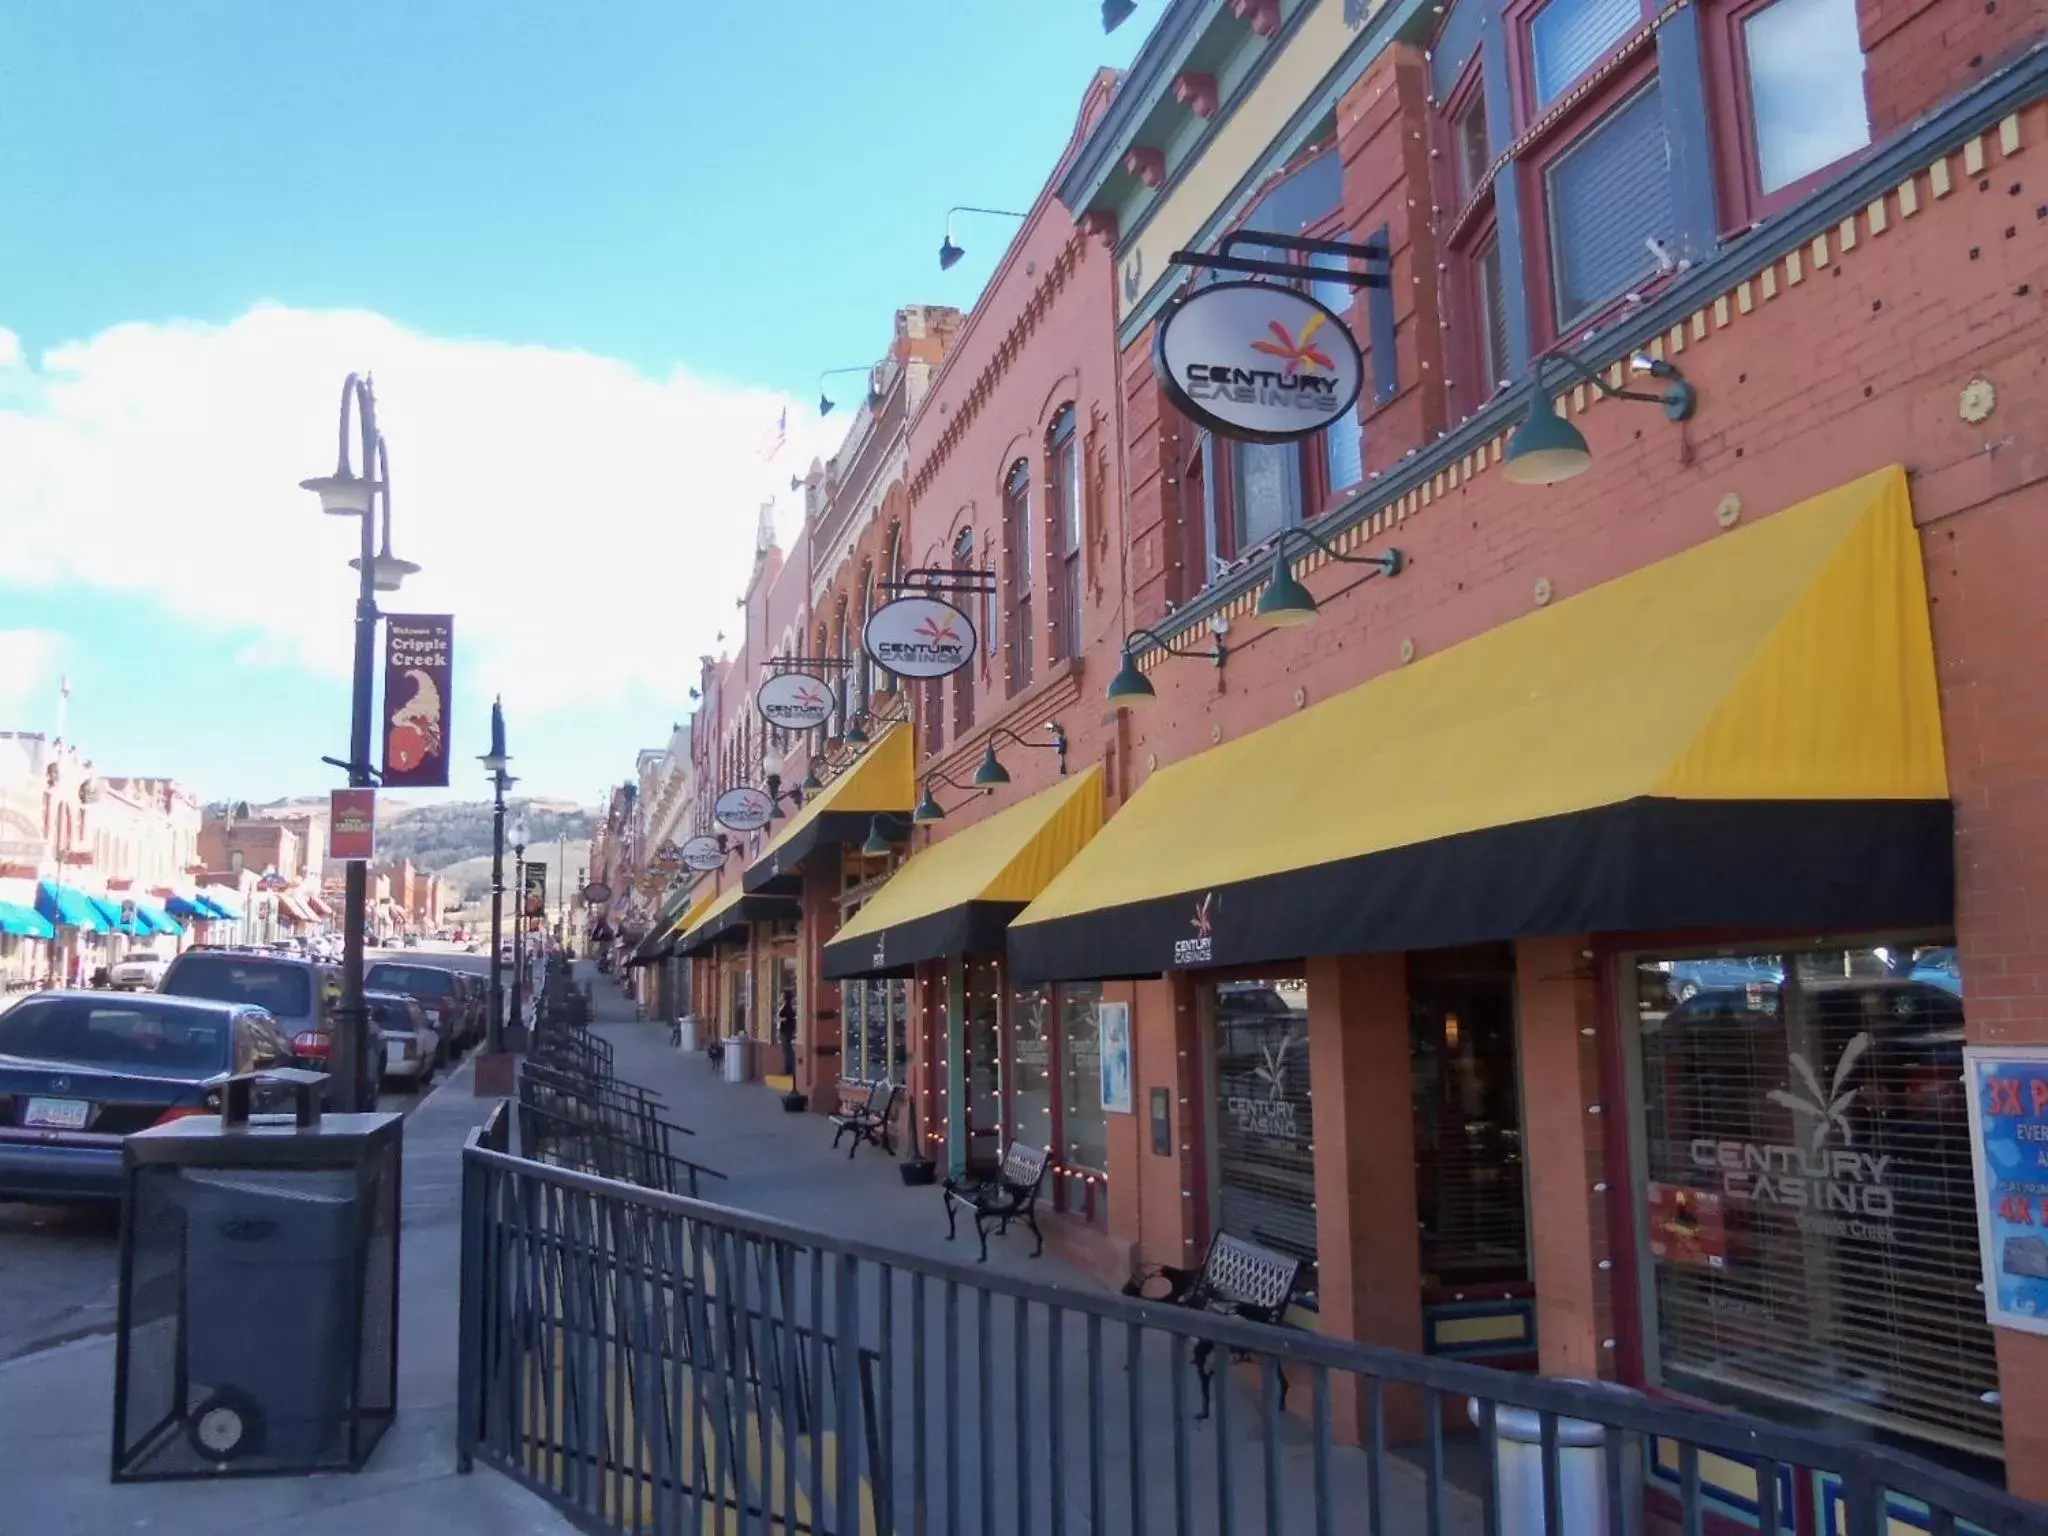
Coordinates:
(654,1363)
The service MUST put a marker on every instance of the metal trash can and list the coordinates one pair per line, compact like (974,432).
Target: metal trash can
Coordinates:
(686,1033)
(739,1058)
(258,1300)
(1518,1472)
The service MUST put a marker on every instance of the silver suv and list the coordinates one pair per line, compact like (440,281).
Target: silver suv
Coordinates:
(300,994)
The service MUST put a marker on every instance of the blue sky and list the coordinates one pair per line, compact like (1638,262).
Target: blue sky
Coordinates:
(589,250)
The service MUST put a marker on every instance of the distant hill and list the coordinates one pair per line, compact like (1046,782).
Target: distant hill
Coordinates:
(453,840)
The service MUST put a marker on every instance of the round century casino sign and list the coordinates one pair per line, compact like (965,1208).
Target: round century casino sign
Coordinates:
(919,637)
(745,809)
(1257,362)
(702,853)
(795,701)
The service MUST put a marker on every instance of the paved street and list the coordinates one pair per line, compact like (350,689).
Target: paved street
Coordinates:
(57,1262)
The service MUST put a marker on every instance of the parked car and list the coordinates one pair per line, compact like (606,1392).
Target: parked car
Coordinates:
(413,1047)
(435,989)
(140,970)
(80,1070)
(301,995)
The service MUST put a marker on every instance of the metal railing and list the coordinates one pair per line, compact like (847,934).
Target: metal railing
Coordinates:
(650,1362)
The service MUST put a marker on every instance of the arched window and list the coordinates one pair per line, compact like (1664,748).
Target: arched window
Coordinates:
(1063,530)
(963,680)
(867,662)
(1017,576)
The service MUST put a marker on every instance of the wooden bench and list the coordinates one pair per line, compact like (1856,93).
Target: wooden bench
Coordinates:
(868,1121)
(1236,1279)
(1012,1195)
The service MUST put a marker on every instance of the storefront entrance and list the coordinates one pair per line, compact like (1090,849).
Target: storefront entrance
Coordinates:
(1471,1196)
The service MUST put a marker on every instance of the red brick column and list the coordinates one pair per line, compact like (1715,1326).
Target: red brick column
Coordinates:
(822,1014)
(1563,1119)
(1366,1236)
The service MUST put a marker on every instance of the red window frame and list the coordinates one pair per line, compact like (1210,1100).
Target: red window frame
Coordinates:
(1520,15)
(1063,500)
(1473,230)
(1560,139)
(963,680)
(1017,561)
(1738,174)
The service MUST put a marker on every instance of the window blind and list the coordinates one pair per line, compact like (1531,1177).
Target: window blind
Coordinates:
(1609,195)
(1568,37)
(1811,1213)
(1265,1122)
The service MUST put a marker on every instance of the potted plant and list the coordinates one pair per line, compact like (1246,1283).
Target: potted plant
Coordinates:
(917,1168)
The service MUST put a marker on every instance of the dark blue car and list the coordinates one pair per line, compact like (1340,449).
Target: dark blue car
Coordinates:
(81,1070)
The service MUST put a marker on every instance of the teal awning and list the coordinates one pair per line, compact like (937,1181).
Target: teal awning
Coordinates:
(155,919)
(23,923)
(109,909)
(191,908)
(65,906)
(222,902)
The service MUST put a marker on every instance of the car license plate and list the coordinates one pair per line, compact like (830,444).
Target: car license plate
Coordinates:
(57,1114)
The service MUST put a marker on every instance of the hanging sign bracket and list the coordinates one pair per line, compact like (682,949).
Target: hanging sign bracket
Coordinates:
(1372,259)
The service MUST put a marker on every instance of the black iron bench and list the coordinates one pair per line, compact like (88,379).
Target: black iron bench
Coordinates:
(868,1121)
(1236,1279)
(1012,1195)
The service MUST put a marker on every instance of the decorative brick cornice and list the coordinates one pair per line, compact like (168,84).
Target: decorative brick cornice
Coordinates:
(1002,357)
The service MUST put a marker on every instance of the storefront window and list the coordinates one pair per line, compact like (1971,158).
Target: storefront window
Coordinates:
(1265,1160)
(1809,1209)
(899,1019)
(740,991)
(984,1062)
(853,1048)
(1031,1105)
(1084,1129)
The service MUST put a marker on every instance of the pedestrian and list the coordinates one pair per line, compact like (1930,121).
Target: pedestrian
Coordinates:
(785,1029)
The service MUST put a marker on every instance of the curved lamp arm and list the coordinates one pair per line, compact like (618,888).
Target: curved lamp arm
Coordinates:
(1391,562)
(1217,654)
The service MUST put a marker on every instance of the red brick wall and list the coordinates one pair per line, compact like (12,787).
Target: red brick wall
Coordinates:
(1918,53)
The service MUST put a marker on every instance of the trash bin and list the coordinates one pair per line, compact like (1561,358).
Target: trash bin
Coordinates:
(686,1033)
(1518,1462)
(739,1058)
(258,1301)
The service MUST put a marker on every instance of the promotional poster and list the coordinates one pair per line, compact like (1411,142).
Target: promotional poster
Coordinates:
(535,885)
(2009,1149)
(352,824)
(419,658)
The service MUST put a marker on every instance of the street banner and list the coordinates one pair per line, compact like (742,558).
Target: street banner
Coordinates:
(536,887)
(352,825)
(419,655)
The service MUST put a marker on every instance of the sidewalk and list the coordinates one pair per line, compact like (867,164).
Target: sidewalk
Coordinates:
(56,1409)
(782,1165)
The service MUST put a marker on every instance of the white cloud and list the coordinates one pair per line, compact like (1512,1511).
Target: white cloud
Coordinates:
(589,526)
(28,675)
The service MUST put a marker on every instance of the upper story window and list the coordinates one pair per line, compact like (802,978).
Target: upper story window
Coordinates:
(1568,37)
(1063,517)
(1017,577)
(1609,207)
(1786,92)
(1473,146)
(1804,59)
(963,680)
(1256,489)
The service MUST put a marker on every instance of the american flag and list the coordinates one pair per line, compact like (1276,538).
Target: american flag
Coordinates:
(773,439)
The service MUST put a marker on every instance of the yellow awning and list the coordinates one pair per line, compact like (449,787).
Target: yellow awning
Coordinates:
(734,907)
(694,912)
(1746,734)
(958,895)
(882,780)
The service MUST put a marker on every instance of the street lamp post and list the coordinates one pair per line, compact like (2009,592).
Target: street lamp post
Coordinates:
(494,763)
(345,494)
(518,923)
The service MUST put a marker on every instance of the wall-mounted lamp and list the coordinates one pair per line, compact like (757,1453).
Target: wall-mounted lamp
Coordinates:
(826,402)
(1546,448)
(929,810)
(1286,601)
(879,844)
(949,253)
(992,772)
(1116,12)
(1131,689)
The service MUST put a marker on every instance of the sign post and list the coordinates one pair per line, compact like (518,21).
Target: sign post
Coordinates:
(352,825)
